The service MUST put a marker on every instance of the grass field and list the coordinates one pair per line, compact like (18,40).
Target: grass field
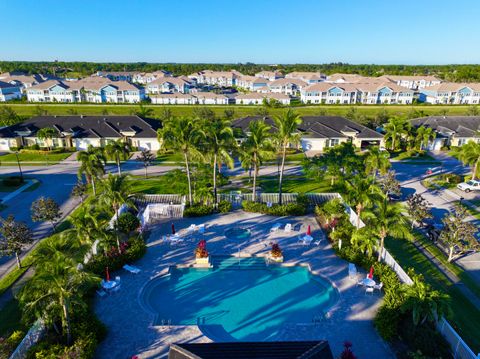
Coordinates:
(34,157)
(165,184)
(293,184)
(185,110)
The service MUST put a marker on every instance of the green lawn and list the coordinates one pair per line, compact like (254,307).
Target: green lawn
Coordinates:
(170,157)
(465,316)
(165,184)
(293,184)
(34,157)
(26,109)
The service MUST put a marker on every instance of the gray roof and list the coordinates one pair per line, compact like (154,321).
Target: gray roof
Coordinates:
(461,126)
(320,126)
(87,126)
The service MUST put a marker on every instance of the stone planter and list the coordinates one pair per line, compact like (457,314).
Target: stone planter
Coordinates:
(276,259)
(202,262)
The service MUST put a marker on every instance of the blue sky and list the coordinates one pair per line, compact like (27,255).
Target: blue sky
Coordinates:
(260,31)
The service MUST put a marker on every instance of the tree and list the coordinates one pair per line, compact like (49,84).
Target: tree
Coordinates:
(362,192)
(92,164)
(46,134)
(472,110)
(183,135)
(457,234)
(390,184)
(424,302)
(396,129)
(423,136)
(219,142)
(87,227)
(40,111)
(229,114)
(331,210)
(376,161)
(418,208)
(143,111)
(118,150)
(256,147)
(79,190)
(15,237)
(364,239)
(8,116)
(45,209)
(469,154)
(146,157)
(56,289)
(287,134)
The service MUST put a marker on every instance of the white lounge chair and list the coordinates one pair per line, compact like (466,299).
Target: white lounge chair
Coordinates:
(201,228)
(378,286)
(288,227)
(275,227)
(352,271)
(192,228)
(131,269)
(369,290)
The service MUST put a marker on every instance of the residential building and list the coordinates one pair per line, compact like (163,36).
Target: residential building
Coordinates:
(413,82)
(148,77)
(168,85)
(346,78)
(287,86)
(9,92)
(23,80)
(252,83)
(327,93)
(451,93)
(378,92)
(177,98)
(118,75)
(308,77)
(218,78)
(79,132)
(270,75)
(211,98)
(450,130)
(256,98)
(321,132)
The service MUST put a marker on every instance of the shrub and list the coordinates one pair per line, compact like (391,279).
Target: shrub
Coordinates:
(201,250)
(197,211)
(290,209)
(12,181)
(8,345)
(276,250)
(224,206)
(127,222)
(386,322)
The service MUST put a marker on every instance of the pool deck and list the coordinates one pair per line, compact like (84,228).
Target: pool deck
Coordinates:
(130,329)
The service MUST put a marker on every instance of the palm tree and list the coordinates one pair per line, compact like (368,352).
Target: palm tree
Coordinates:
(364,240)
(219,141)
(362,192)
(255,148)
(424,302)
(118,150)
(423,136)
(287,134)
(377,161)
(92,164)
(182,134)
(469,154)
(396,129)
(46,134)
(57,287)
(387,219)
(143,111)
(87,225)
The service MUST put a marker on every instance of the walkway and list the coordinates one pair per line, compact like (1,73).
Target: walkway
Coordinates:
(131,330)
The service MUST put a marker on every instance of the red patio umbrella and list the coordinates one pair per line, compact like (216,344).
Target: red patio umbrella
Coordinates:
(107,273)
(370,274)
(309,230)
(173,228)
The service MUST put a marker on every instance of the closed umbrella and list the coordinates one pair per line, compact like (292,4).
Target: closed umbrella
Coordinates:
(370,274)
(173,228)
(309,230)
(107,274)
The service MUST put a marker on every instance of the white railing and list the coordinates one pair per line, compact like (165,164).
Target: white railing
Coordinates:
(392,263)
(33,336)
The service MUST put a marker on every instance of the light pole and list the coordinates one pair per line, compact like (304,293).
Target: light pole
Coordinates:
(19,167)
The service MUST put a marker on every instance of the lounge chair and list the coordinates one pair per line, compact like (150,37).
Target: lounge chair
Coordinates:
(192,228)
(117,279)
(288,227)
(201,229)
(275,227)
(360,283)
(378,286)
(131,269)
(369,290)
(352,270)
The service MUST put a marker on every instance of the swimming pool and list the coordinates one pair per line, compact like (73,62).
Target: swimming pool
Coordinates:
(241,300)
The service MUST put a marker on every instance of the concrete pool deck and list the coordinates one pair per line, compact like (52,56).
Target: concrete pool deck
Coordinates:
(130,326)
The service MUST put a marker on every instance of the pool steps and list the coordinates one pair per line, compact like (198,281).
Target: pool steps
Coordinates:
(231,262)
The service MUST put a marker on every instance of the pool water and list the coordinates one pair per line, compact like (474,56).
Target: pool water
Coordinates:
(237,233)
(240,300)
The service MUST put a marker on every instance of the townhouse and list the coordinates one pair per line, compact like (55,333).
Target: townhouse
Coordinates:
(177,98)
(413,82)
(255,98)
(318,133)
(378,92)
(252,83)
(78,132)
(211,98)
(9,92)
(168,85)
(327,93)
(308,77)
(97,90)
(346,78)
(22,80)
(118,75)
(287,86)
(270,75)
(218,78)
(147,77)
(450,130)
(451,93)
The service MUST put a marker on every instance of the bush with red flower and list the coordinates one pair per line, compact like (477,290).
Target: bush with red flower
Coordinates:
(276,251)
(347,351)
(201,250)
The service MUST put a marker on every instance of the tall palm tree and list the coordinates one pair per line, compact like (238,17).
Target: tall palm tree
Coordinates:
(182,134)
(362,192)
(57,287)
(386,219)
(396,129)
(92,164)
(86,226)
(47,134)
(119,150)
(256,148)
(377,161)
(469,154)
(364,240)
(423,135)
(219,142)
(287,134)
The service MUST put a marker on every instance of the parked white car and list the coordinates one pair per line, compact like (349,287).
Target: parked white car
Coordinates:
(472,185)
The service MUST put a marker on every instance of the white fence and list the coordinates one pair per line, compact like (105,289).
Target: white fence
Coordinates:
(392,263)
(31,338)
